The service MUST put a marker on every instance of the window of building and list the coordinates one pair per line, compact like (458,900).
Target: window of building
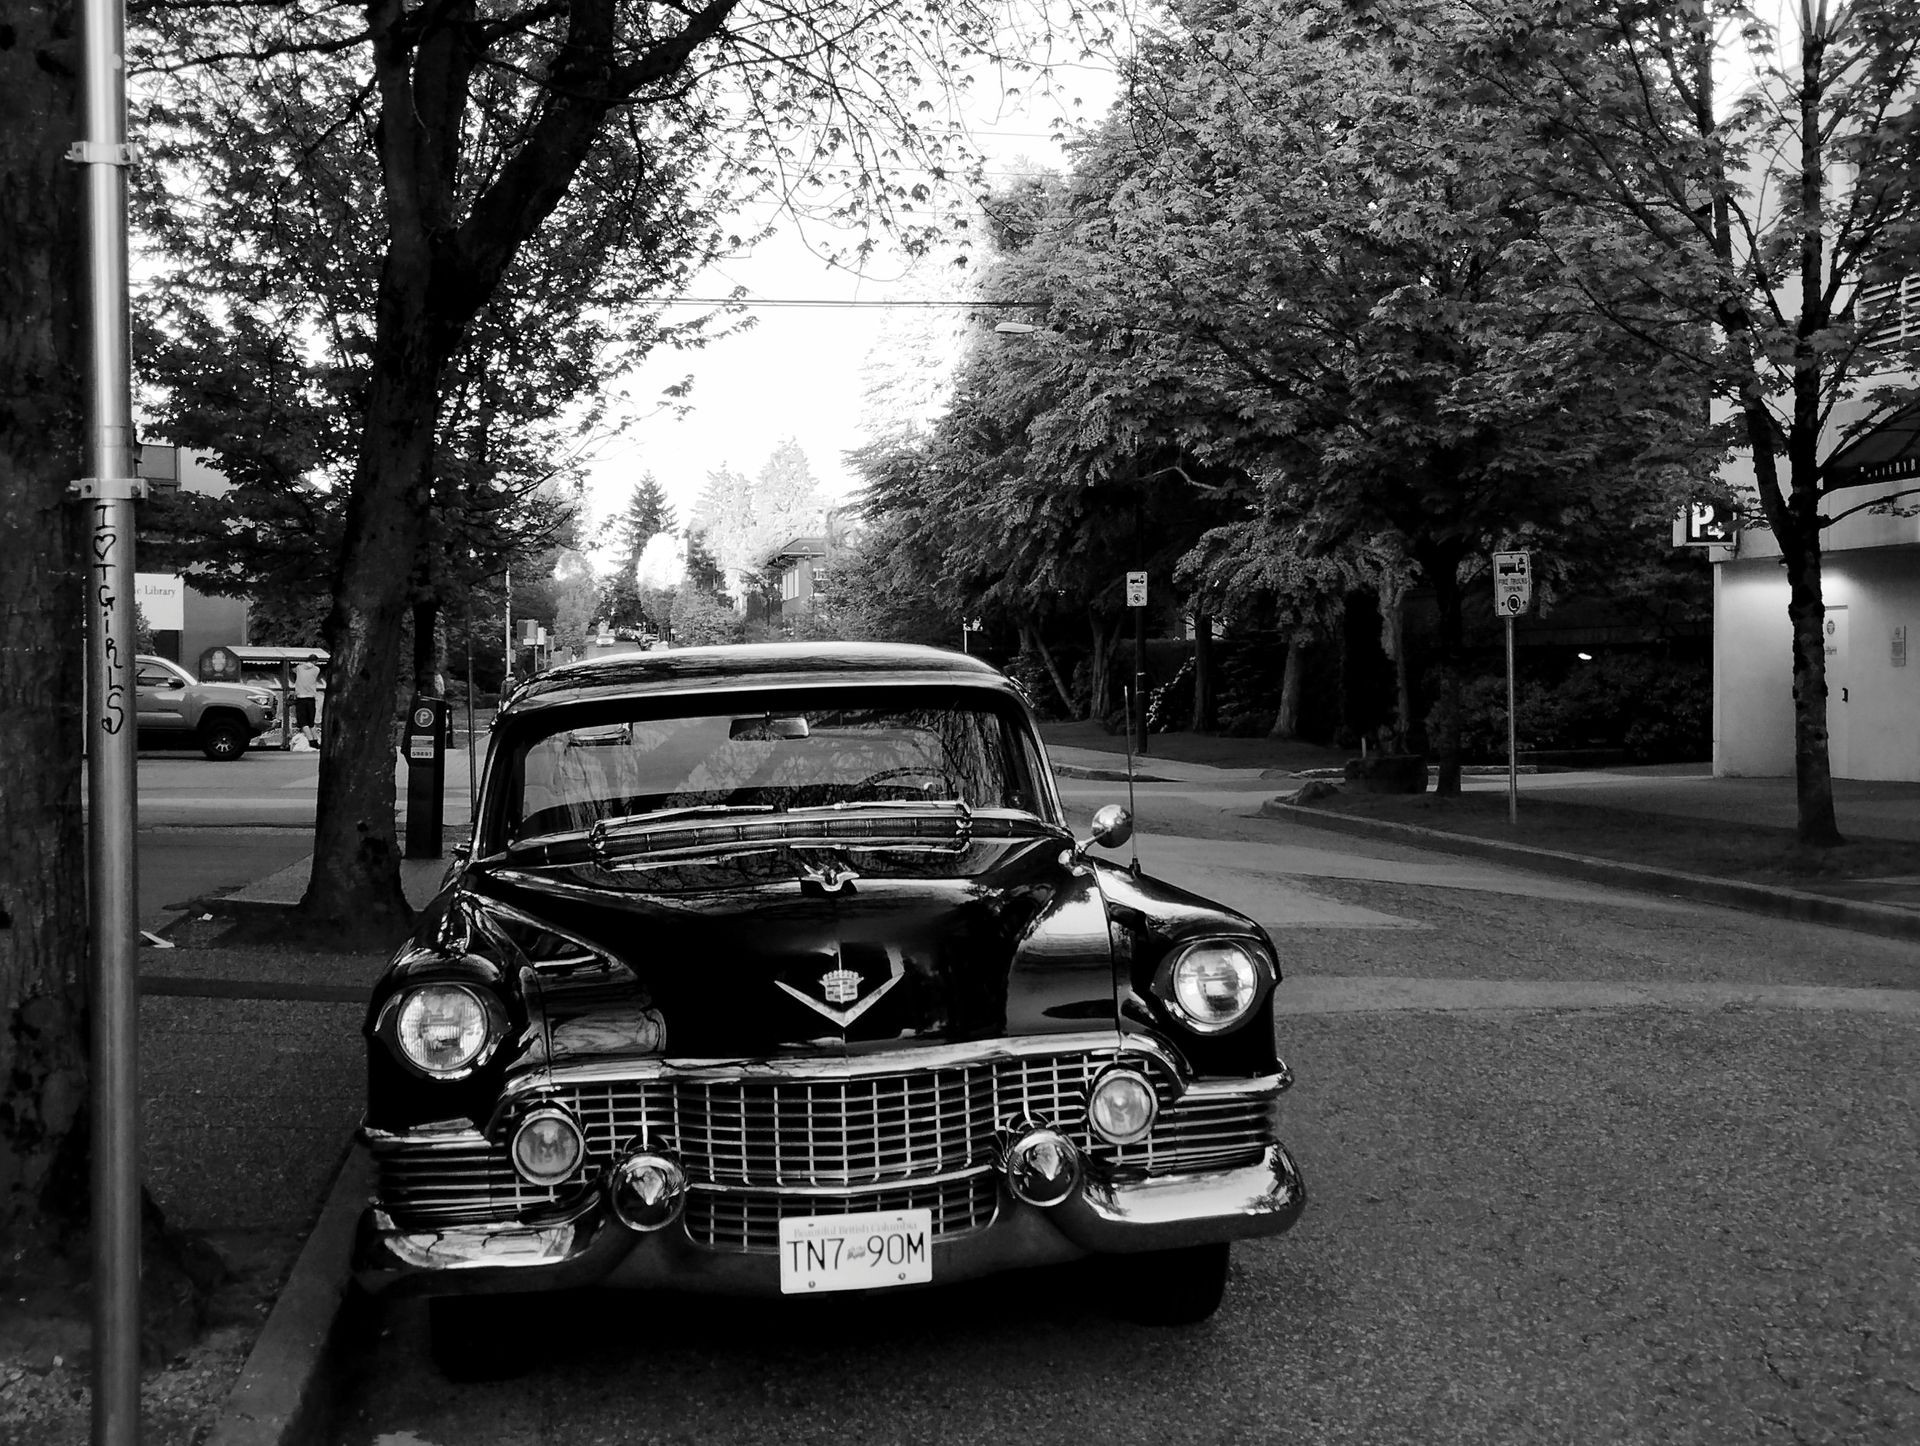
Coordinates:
(1891,311)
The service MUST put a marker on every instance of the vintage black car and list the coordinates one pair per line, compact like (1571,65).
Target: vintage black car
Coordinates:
(777,969)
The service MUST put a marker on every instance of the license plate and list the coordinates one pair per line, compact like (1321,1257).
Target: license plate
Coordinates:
(855,1252)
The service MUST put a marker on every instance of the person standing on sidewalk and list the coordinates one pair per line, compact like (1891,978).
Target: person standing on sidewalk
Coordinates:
(306,696)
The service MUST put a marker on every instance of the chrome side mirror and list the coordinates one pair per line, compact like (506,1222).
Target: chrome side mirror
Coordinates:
(1112,826)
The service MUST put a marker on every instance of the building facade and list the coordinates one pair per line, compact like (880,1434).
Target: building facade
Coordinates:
(1870,571)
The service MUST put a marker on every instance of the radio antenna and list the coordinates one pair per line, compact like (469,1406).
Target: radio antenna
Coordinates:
(1134,836)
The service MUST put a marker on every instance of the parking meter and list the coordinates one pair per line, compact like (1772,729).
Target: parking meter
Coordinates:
(426,747)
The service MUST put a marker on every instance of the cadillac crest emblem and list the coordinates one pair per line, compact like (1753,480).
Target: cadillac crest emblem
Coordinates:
(844,993)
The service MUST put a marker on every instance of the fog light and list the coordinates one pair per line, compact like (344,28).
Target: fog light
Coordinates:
(1042,1167)
(1121,1107)
(547,1147)
(647,1191)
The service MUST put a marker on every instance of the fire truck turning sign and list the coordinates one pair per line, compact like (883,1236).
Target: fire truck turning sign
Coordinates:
(1512,582)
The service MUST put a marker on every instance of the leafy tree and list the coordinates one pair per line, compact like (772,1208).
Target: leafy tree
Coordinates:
(742,520)
(575,605)
(490,125)
(1757,217)
(704,573)
(700,618)
(44,956)
(1286,260)
(43,941)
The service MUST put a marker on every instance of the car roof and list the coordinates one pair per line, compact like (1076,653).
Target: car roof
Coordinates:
(258,653)
(751,666)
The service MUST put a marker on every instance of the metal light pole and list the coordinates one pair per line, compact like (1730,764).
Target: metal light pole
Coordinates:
(108,492)
(1513,735)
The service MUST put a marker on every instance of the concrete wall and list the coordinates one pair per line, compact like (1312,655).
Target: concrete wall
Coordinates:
(1874,698)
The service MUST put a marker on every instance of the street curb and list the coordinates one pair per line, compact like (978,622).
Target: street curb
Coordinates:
(1731,893)
(1106,775)
(279,1398)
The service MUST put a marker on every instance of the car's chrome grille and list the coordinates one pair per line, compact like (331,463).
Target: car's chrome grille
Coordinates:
(749,1220)
(1198,1134)
(858,1130)
(452,1182)
(855,1137)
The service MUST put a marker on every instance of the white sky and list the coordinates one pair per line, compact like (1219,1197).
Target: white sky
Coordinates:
(803,372)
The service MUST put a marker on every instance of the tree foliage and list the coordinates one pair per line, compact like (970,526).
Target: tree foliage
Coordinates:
(1290,260)
(621,128)
(1755,208)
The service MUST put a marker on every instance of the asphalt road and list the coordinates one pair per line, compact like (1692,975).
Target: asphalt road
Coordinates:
(209,828)
(1583,1167)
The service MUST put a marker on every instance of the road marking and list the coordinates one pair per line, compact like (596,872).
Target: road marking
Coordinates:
(192,987)
(1359,994)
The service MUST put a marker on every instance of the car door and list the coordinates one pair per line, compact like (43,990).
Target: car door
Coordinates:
(162,698)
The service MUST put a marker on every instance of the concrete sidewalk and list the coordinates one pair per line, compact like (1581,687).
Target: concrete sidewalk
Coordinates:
(1682,790)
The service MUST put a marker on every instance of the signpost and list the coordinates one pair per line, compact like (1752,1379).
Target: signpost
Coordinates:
(1512,595)
(107,492)
(1137,600)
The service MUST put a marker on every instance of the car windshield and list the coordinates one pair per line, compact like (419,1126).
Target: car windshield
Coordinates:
(788,755)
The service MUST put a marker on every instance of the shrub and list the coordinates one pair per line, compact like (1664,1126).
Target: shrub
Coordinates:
(1654,709)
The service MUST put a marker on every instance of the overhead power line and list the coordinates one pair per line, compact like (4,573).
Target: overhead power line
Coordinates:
(847,302)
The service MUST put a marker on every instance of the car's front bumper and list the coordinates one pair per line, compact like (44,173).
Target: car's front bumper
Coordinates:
(591,1248)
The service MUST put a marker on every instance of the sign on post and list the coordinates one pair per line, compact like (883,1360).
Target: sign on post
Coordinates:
(1512,583)
(1136,589)
(1705,524)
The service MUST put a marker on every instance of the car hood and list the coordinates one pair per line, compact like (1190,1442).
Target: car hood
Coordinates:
(235,693)
(779,948)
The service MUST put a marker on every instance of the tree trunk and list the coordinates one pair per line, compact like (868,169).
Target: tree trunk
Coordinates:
(1796,528)
(440,268)
(1393,638)
(1286,722)
(427,652)
(1442,569)
(43,875)
(1100,686)
(1030,635)
(45,964)
(355,891)
(1205,714)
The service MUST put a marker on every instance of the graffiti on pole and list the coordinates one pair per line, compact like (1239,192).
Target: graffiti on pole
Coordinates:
(114,662)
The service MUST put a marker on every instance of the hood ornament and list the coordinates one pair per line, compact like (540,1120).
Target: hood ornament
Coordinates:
(830,877)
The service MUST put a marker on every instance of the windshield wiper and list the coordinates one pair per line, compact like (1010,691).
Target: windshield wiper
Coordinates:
(610,827)
(636,826)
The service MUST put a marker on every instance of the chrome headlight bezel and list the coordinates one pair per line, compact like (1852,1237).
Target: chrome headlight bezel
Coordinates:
(493,1027)
(1114,1075)
(1176,984)
(542,1113)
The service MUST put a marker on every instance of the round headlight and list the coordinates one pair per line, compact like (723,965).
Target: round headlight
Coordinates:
(1215,983)
(1121,1107)
(547,1147)
(442,1028)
